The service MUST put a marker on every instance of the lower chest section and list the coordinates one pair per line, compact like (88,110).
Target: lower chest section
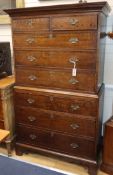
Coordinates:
(60,122)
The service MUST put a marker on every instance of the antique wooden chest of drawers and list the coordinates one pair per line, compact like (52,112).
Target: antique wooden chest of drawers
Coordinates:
(59,61)
(6,108)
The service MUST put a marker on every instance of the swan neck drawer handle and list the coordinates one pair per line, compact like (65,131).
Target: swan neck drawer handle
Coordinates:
(29,22)
(74,126)
(30,40)
(31,58)
(73,21)
(32,136)
(73,40)
(30,101)
(74,145)
(73,60)
(73,81)
(75,107)
(32,77)
(31,118)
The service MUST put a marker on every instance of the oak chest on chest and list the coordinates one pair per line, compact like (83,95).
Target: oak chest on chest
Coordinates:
(59,61)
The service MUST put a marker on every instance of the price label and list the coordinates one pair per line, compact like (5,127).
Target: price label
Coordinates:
(74,72)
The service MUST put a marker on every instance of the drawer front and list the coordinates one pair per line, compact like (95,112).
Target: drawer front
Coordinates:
(31,24)
(74,40)
(56,142)
(66,123)
(74,22)
(56,79)
(86,106)
(63,59)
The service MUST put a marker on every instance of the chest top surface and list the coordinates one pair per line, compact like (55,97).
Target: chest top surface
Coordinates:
(56,9)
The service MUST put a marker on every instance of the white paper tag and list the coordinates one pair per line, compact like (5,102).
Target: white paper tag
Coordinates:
(74,72)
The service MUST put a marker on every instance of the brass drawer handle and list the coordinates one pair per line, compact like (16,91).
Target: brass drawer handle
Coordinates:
(30,40)
(73,60)
(29,22)
(75,107)
(73,21)
(31,118)
(74,145)
(74,126)
(31,58)
(73,81)
(30,101)
(32,77)
(32,136)
(73,40)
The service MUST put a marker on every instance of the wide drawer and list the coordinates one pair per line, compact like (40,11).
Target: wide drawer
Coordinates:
(56,79)
(74,22)
(74,40)
(62,59)
(86,106)
(31,24)
(56,142)
(61,122)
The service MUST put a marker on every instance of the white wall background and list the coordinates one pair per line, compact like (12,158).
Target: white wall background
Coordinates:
(5,35)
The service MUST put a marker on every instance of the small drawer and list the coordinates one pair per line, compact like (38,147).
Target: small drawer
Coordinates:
(86,106)
(74,22)
(49,78)
(56,142)
(31,24)
(72,40)
(56,121)
(63,59)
